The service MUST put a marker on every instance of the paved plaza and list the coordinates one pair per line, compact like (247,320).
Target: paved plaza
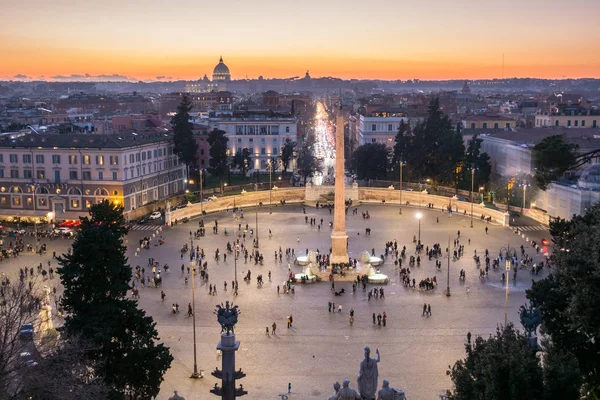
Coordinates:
(322,347)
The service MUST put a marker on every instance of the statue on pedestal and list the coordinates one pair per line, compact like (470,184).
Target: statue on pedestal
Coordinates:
(336,388)
(388,393)
(347,393)
(227,316)
(368,374)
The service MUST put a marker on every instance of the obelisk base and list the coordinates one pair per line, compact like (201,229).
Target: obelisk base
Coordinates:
(339,248)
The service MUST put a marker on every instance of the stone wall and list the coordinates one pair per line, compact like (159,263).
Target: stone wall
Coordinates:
(376,195)
(314,193)
(246,199)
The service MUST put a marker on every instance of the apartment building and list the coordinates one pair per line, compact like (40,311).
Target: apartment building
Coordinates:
(66,174)
(263,135)
(568,121)
(380,125)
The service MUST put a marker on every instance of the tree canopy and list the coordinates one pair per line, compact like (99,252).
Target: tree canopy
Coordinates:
(242,160)
(553,156)
(96,277)
(307,162)
(432,149)
(183,139)
(218,163)
(371,161)
(569,298)
(501,367)
(287,154)
(474,158)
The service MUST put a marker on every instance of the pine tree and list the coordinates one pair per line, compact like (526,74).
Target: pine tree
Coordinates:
(287,153)
(218,164)
(96,278)
(183,139)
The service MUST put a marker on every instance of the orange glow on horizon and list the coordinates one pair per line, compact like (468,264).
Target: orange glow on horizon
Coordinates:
(390,40)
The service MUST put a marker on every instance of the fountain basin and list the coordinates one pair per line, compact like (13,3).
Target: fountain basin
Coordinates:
(379,279)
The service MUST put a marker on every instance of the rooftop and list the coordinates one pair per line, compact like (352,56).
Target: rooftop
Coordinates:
(488,117)
(81,141)
(585,138)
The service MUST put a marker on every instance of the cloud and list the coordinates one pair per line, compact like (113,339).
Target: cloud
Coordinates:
(160,77)
(93,78)
(21,76)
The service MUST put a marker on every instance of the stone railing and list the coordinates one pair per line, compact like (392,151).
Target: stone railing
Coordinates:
(391,196)
(245,199)
(359,195)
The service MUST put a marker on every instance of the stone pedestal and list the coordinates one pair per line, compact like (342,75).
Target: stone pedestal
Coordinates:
(228,375)
(339,248)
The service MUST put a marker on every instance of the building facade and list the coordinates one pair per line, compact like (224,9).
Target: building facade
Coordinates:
(66,174)
(567,121)
(264,136)
(380,126)
(488,122)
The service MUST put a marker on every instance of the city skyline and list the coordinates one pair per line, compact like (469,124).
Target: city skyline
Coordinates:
(378,40)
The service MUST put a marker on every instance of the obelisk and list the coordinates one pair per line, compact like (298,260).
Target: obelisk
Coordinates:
(339,238)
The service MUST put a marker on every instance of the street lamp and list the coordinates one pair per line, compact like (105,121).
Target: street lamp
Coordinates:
(448,281)
(235,254)
(34,220)
(270,185)
(195,374)
(419,216)
(402,163)
(256,241)
(201,212)
(471,194)
(507,253)
(481,189)
(525,185)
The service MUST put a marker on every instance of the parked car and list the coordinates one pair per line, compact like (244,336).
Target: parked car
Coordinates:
(155,215)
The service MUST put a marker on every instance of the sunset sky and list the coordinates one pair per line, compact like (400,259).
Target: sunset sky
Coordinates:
(387,39)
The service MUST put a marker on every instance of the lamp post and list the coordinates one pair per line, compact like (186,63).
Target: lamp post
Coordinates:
(448,281)
(256,214)
(507,252)
(400,205)
(201,212)
(524,184)
(235,289)
(34,220)
(419,216)
(471,194)
(481,189)
(270,185)
(195,374)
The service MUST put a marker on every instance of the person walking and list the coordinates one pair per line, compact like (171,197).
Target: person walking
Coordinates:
(424,309)
(374,317)
(162,295)
(273,328)
(289,324)
(190,312)
(329,306)
(339,308)
(429,309)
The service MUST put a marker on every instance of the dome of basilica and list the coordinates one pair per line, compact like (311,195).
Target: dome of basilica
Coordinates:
(221,72)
